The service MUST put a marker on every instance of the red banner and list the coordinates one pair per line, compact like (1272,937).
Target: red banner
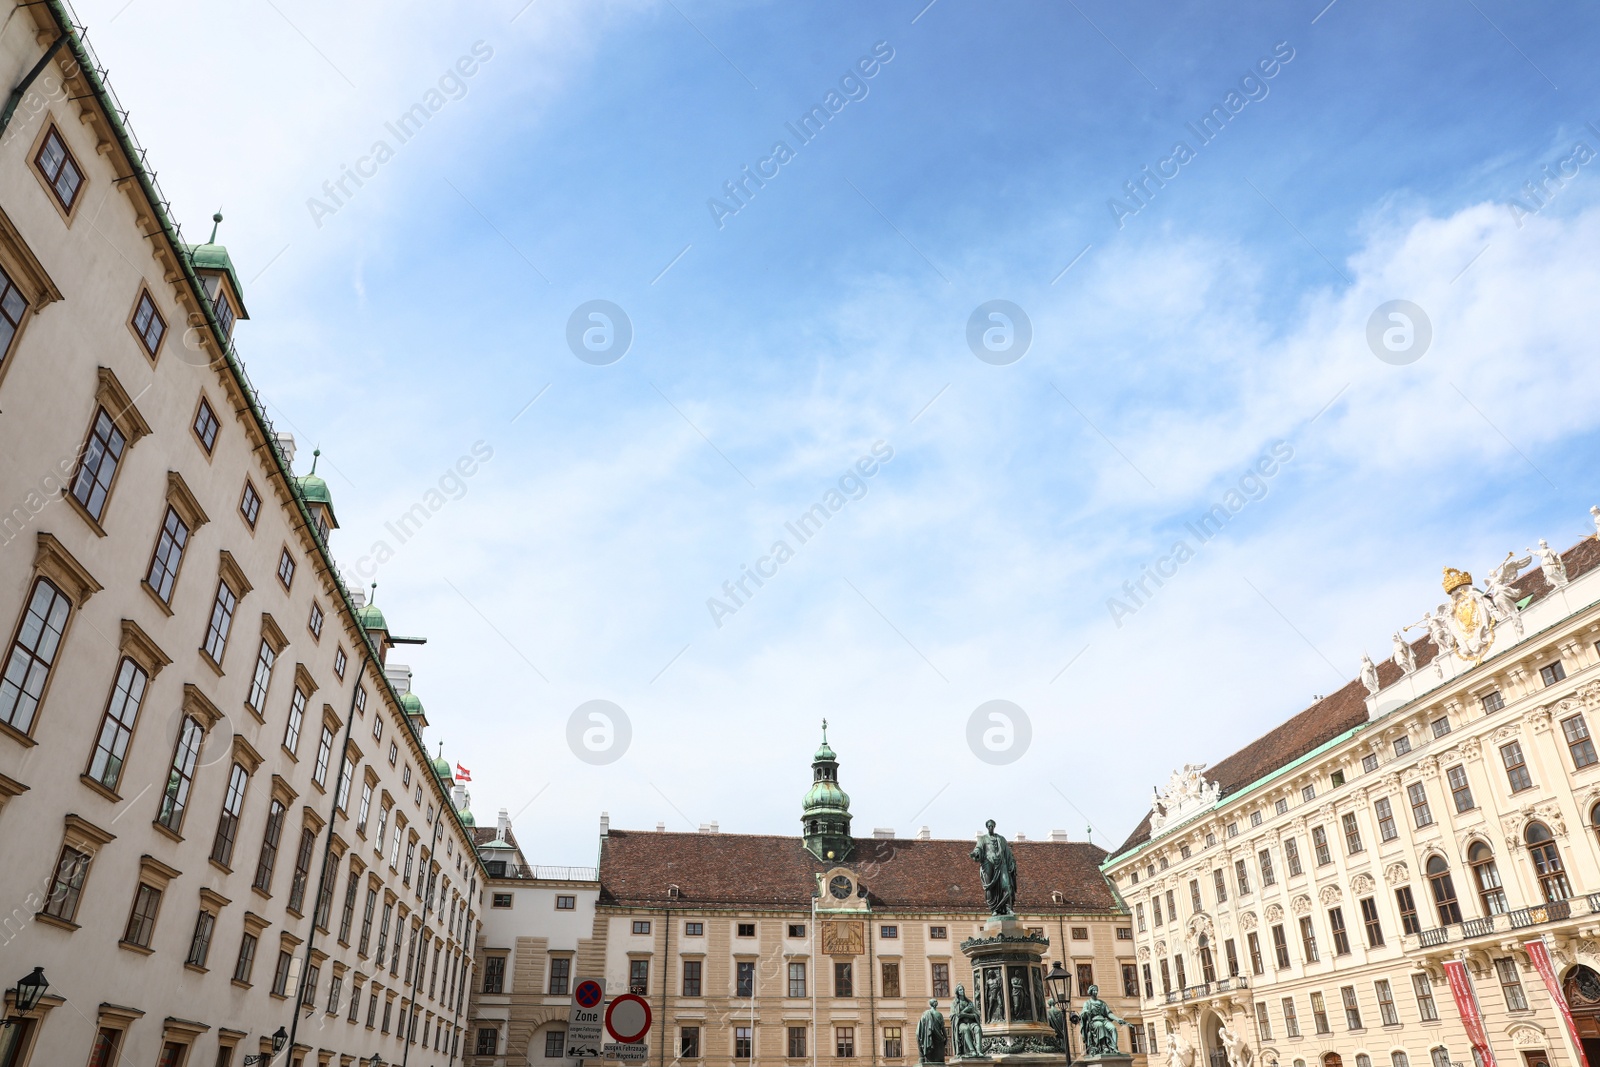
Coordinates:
(1467,1005)
(1540,955)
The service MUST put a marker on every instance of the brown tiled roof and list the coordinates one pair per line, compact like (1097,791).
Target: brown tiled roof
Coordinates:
(637,867)
(1347,708)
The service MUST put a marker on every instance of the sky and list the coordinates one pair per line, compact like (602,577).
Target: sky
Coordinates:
(800,219)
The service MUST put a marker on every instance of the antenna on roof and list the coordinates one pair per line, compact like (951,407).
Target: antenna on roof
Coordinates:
(216,220)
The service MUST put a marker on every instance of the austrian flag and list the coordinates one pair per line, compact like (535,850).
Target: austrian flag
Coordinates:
(462,774)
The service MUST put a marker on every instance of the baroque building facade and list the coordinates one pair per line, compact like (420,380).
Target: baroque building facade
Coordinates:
(1406,873)
(218,816)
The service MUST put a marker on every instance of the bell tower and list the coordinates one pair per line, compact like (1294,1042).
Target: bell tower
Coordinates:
(825,816)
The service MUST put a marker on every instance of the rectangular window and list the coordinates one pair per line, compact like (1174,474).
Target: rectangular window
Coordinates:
(1441,726)
(746,929)
(1280,806)
(799,930)
(744,978)
(1086,976)
(1386,1008)
(1308,794)
(1130,980)
(1308,939)
(1319,1014)
(941,979)
(844,1042)
(639,977)
(168,556)
(1254,944)
(641,927)
(180,776)
(297,714)
(1149,984)
(560,974)
(1319,844)
(315,623)
(494,974)
(246,961)
(1219,882)
(1427,1010)
(889,933)
(280,974)
(1263,1020)
(891,979)
(142,917)
(319,773)
(893,1049)
(1291,855)
(1195,903)
(1552,674)
(688,1043)
(797,978)
(1579,742)
(228,822)
(1493,702)
(364,811)
(1385,813)
(1241,874)
(1369,763)
(250,505)
(1166,976)
(1352,1007)
(1291,1022)
(1369,919)
(1421,814)
(347,914)
(1264,861)
(1341,938)
(1352,833)
(61,171)
(1280,946)
(91,484)
(269,846)
(1409,923)
(200,944)
(221,621)
(338,668)
(1511,984)
(843,980)
(1516,766)
(206,426)
(286,569)
(302,869)
(797,1042)
(1460,788)
(1336,779)
(116,726)
(1402,745)
(262,679)
(1138,917)
(742,1042)
(1155,908)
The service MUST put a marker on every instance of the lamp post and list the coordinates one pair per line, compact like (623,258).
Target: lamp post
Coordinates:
(1060,983)
(279,1039)
(28,990)
(375,1060)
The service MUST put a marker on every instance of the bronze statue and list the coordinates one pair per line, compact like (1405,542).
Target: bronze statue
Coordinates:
(931,1035)
(1058,1017)
(998,870)
(994,1005)
(1021,1006)
(1098,1026)
(966,1024)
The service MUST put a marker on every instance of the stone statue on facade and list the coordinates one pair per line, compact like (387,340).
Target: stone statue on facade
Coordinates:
(1595,512)
(966,1024)
(1369,675)
(1058,1017)
(1404,658)
(1502,598)
(1179,1052)
(932,1037)
(998,870)
(1238,1052)
(1098,1026)
(1555,571)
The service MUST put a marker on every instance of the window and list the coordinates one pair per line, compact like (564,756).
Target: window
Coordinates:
(1369,763)
(261,681)
(843,981)
(1194,895)
(562,973)
(1352,833)
(1319,1014)
(142,918)
(269,846)
(493,973)
(1511,984)
(1397,1058)
(1547,862)
(641,926)
(338,664)
(1268,875)
(1155,908)
(286,569)
(1308,939)
(1441,1056)
(1341,938)
(844,1042)
(1280,806)
(893,1049)
(1440,726)
(33,653)
(66,884)
(1291,1022)
(1254,944)
(799,930)
(744,978)
(1138,916)
(365,808)
(688,1042)
(1136,1038)
(742,1042)
(61,172)
(1219,882)
(639,977)
(1487,876)
(566,902)
(1308,794)
(889,932)
(91,484)
(1386,1007)
(1166,977)
(221,621)
(246,960)
(1263,1020)
(1402,745)
(1552,674)
(324,750)
(1409,922)
(1427,1010)
(1516,766)
(297,714)
(891,979)
(1336,779)
(228,823)
(941,979)
(1578,742)
(1493,702)
(315,623)
(797,1042)
(1369,920)
(797,979)
(1233,829)
(1319,844)
(1421,814)
(1241,874)
(347,914)
(12,306)
(180,778)
(1086,975)
(164,564)
(1124,933)
(1444,891)
(116,727)
(489,1041)
(206,426)
(1352,1008)
(1385,813)
(1460,788)
(302,869)
(280,976)
(747,930)
(1130,980)
(1280,946)
(200,944)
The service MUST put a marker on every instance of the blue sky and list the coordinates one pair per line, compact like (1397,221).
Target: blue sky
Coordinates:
(1227,314)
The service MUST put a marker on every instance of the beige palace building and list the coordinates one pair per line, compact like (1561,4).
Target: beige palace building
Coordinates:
(818,948)
(216,811)
(1406,873)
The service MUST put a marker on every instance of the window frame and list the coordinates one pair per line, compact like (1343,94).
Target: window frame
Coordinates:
(67,209)
(205,420)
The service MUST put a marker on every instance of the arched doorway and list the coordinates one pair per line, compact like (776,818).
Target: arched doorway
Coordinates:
(1332,1059)
(1581,987)
(1211,1039)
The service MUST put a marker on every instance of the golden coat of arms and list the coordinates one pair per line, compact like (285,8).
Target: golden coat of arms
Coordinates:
(1470,616)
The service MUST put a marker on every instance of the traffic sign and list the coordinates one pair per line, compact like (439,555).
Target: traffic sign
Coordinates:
(628,1018)
(588,993)
(638,1052)
(584,1029)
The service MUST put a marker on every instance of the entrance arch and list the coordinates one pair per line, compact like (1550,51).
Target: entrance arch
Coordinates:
(1332,1059)
(1211,1040)
(1581,988)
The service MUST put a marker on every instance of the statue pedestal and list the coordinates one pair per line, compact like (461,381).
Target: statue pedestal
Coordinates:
(1117,1059)
(1008,971)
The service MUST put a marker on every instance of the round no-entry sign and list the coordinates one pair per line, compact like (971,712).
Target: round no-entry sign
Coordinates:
(588,994)
(628,1018)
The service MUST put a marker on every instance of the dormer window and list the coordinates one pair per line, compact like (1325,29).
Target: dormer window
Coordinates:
(225,313)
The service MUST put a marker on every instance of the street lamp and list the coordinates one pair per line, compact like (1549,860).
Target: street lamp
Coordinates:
(27,993)
(279,1039)
(376,1060)
(1060,983)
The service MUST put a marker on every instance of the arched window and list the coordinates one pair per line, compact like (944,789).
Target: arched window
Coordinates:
(1487,875)
(1398,1058)
(1547,862)
(1440,1056)
(1444,894)
(1363,1060)
(1208,967)
(1594,818)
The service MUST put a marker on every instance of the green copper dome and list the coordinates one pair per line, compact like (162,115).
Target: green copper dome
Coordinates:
(825,814)
(371,618)
(467,820)
(441,766)
(411,704)
(313,490)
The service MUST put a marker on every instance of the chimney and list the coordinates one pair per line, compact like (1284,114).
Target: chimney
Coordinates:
(924,834)
(399,676)
(605,824)
(709,827)
(883,832)
(286,446)
(714,827)
(1020,837)
(1059,835)
(661,827)
(503,825)
(358,596)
